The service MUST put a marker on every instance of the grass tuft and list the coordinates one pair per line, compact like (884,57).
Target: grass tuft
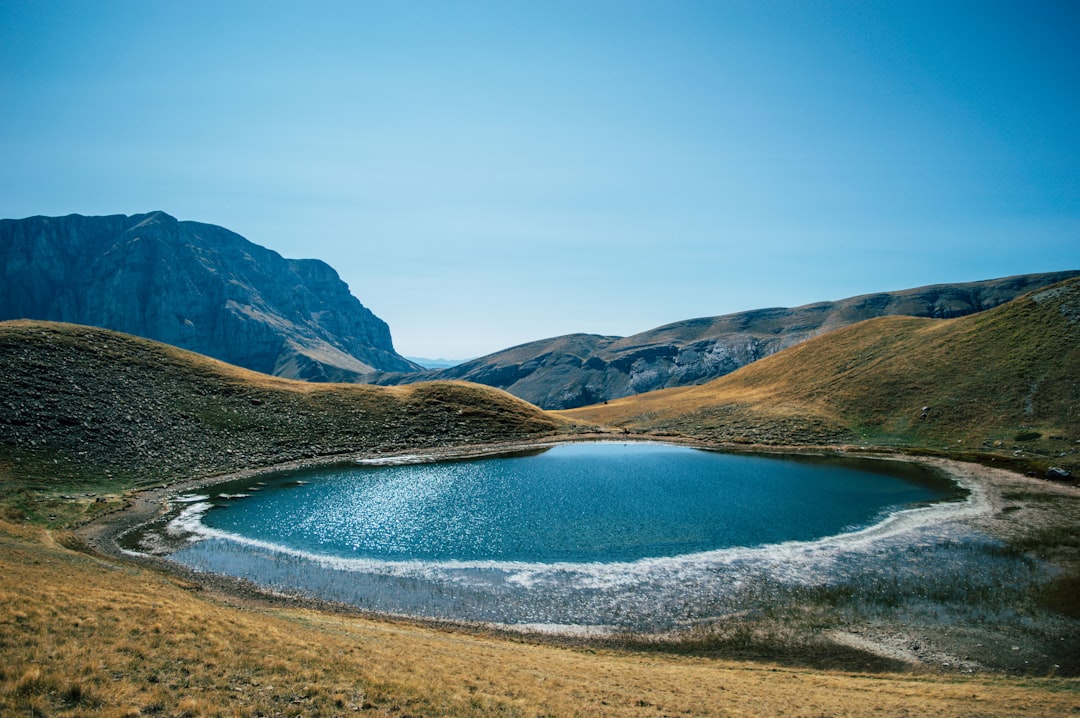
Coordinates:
(31,682)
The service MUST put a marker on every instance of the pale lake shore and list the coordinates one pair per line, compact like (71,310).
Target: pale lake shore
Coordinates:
(962,600)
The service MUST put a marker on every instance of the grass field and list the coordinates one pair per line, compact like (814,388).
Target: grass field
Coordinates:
(82,635)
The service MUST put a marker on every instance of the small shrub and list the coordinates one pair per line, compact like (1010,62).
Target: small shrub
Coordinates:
(1027,436)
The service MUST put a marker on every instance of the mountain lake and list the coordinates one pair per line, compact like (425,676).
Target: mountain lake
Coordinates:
(585,537)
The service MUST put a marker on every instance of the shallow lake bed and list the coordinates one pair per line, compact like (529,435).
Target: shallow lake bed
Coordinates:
(419,540)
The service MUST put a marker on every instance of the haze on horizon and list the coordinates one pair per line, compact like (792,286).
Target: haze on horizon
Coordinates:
(486,174)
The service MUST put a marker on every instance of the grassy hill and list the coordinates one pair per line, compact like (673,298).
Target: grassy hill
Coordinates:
(1005,382)
(89,410)
(579,369)
(86,411)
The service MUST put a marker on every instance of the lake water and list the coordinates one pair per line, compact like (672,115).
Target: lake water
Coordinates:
(570,535)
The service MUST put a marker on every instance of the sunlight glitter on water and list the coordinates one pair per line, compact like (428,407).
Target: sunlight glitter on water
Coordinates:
(643,592)
(578,503)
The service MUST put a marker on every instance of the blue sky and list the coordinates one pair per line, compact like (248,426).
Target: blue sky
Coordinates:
(485,174)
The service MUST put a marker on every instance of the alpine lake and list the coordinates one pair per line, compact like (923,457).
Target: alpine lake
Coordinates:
(586,538)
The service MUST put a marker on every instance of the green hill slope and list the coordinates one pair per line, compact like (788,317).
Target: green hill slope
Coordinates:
(84,409)
(1005,381)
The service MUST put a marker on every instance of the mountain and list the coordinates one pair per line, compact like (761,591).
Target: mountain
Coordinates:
(1003,381)
(79,405)
(580,369)
(440,363)
(196,286)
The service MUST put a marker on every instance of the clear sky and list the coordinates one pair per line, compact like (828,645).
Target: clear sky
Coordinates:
(485,174)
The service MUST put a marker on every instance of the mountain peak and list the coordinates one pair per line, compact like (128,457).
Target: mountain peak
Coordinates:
(151,218)
(197,286)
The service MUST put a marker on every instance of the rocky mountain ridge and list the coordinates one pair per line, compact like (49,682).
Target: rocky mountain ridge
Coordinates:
(582,369)
(196,286)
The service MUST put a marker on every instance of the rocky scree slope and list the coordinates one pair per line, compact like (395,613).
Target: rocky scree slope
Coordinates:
(581,369)
(1002,384)
(195,286)
(80,405)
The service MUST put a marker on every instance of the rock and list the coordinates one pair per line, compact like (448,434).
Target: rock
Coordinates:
(1056,473)
(195,286)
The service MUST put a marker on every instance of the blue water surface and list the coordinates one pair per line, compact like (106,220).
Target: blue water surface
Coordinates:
(573,503)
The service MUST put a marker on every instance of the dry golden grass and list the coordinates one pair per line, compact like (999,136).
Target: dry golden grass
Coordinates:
(81,635)
(192,363)
(85,636)
(971,384)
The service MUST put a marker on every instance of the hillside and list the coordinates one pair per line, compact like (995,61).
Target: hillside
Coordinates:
(91,408)
(579,369)
(195,286)
(88,414)
(1005,381)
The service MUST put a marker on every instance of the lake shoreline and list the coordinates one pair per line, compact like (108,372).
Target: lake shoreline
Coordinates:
(103,536)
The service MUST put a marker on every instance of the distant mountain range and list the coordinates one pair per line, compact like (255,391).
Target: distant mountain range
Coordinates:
(196,286)
(582,369)
(436,363)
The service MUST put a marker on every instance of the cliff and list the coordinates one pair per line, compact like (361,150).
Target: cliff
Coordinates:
(196,286)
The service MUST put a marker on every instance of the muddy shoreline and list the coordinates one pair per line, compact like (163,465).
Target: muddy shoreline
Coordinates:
(870,646)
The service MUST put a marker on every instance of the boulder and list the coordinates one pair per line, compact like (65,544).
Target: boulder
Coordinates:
(1056,473)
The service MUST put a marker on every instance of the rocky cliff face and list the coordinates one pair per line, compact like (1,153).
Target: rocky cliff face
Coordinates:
(196,286)
(582,369)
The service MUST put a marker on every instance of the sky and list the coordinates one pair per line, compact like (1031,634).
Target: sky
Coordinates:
(487,174)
